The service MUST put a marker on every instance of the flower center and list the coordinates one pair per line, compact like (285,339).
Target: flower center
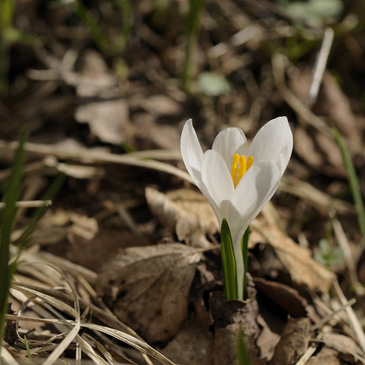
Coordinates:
(240,166)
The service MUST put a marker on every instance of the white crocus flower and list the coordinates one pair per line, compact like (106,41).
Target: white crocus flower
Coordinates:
(238,179)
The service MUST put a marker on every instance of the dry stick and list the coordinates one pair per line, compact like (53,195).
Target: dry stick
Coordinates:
(353,320)
(347,255)
(30,204)
(332,314)
(8,358)
(320,66)
(96,156)
(307,355)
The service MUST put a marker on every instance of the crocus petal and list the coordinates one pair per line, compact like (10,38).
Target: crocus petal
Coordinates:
(218,182)
(191,151)
(228,142)
(252,193)
(274,141)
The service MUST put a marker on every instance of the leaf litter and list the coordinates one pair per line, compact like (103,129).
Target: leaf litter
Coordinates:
(125,267)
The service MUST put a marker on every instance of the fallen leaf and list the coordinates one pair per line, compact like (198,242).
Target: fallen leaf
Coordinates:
(94,78)
(160,105)
(107,119)
(191,346)
(186,212)
(345,345)
(296,259)
(56,226)
(284,296)
(83,226)
(148,287)
(267,340)
(325,356)
(293,342)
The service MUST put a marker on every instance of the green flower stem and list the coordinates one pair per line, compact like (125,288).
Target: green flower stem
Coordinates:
(244,247)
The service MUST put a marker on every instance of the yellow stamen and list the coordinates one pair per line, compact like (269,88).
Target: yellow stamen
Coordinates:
(249,162)
(236,159)
(242,169)
(240,166)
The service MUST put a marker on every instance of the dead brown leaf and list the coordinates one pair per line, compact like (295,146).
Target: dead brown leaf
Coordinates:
(94,78)
(191,346)
(326,356)
(284,296)
(267,340)
(107,119)
(148,288)
(296,259)
(160,105)
(293,342)
(83,226)
(345,345)
(186,212)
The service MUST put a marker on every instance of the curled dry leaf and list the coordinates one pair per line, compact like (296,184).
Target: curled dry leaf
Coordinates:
(186,212)
(148,288)
(284,296)
(297,260)
(293,342)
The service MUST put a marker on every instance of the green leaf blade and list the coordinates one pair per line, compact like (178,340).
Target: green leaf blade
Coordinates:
(353,182)
(13,190)
(228,262)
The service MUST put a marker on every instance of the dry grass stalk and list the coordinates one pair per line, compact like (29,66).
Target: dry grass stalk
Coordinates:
(61,299)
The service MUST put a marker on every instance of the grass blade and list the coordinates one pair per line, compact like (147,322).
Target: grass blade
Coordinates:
(38,214)
(353,182)
(12,194)
(196,7)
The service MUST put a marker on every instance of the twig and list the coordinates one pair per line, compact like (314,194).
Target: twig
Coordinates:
(307,355)
(278,62)
(97,156)
(30,204)
(320,66)
(347,255)
(353,320)
(332,314)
